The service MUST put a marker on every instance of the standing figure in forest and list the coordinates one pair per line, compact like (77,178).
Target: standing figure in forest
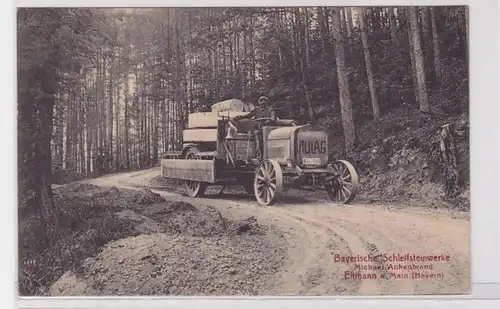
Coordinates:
(101,161)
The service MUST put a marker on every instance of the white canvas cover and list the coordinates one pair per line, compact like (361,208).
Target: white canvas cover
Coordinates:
(233,105)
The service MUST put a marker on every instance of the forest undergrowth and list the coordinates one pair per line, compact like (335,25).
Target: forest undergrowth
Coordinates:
(89,223)
(399,160)
(95,217)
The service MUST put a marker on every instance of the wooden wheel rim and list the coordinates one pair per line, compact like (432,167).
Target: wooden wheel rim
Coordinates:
(344,187)
(268,182)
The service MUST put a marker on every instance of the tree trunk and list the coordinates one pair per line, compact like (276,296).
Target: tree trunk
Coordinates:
(467,33)
(169,126)
(164,120)
(426,39)
(155,120)
(230,42)
(419,60)
(82,123)
(49,211)
(90,128)
(321,22)
(425,23)
(375,19)
(109,149)
(304,68)
(348,19)
(413,67)
(117,111)
(394,28)
(447,136)
(294,39)
(105,116)
(345,96)
(69,134)
(178,96)
(435,47)
(126,122)
(252,55)
(74,130)
(147,115)
(142,132)
(326,11)
(467,24)
(306,35)
(368,64)
(58,136)
(26,139)
(95,129)
(402,18)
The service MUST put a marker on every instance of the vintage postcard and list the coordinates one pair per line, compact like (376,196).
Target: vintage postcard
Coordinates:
(312,151)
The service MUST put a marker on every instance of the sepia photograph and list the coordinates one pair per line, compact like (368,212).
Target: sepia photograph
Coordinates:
(243,151)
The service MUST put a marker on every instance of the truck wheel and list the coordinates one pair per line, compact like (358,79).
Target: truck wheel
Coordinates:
(193,188)
(343,188)
(268,182)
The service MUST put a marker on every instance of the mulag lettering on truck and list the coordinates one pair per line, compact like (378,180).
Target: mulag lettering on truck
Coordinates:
(313,147)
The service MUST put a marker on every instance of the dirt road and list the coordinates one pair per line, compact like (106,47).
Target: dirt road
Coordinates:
(318,234)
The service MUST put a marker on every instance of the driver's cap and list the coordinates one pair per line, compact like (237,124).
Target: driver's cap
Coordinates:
(263,100)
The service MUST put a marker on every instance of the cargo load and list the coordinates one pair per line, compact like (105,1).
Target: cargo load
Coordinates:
(233,105)
(221,110)
(209,119)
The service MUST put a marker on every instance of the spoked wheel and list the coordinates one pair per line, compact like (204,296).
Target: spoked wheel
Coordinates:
(194,188)
(268,182)
(343,187)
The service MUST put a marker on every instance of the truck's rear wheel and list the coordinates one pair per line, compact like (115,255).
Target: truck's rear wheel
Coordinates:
(194,188)
(268,182)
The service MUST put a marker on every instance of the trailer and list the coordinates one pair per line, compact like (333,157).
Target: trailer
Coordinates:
(265,155)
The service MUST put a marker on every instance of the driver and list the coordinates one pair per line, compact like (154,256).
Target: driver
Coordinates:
(263,110)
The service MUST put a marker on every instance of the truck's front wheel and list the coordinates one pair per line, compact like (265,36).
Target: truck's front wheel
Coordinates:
(268,182)
(343,187)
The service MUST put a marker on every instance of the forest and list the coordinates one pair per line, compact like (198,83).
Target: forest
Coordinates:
(109,90)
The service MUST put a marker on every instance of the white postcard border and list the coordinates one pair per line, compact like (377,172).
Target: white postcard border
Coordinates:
(485,170)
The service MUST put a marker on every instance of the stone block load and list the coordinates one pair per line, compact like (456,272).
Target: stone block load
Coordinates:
(220,110)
